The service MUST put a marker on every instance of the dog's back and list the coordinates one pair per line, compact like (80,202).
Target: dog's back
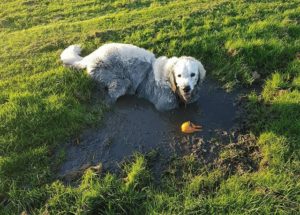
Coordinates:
(126,52)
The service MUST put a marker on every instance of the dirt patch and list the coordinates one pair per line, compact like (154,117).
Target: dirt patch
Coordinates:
(239,156)
(134,125)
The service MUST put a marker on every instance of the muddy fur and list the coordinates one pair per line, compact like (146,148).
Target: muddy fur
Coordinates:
(123,69)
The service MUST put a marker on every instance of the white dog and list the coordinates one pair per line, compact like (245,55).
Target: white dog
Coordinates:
(127,69)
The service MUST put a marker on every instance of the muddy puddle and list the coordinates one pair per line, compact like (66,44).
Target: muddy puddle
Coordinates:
(134,125)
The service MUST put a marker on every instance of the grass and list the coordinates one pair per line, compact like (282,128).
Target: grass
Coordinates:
(42,104)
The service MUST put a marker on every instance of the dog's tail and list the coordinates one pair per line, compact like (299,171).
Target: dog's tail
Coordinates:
(71,57)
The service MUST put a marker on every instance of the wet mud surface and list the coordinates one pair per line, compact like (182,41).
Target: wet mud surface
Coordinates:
(134,125)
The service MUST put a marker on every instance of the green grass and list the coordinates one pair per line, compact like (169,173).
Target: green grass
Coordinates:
(42,104)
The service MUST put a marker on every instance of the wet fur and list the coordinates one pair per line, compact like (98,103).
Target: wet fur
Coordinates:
(127,69)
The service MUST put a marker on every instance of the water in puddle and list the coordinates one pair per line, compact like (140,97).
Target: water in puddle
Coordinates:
(134,125)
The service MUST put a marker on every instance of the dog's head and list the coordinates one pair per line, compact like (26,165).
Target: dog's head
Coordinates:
(186,75)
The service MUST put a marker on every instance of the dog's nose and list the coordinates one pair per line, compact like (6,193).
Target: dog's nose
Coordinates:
(186,89)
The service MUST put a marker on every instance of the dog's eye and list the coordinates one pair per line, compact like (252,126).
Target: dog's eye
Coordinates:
(178,76)
(193,74)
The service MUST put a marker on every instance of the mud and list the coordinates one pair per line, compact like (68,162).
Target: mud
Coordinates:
(134,125)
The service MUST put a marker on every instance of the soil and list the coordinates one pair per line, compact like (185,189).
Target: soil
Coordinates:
(134,125)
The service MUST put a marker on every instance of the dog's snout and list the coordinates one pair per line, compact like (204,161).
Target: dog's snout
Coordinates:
(187,89)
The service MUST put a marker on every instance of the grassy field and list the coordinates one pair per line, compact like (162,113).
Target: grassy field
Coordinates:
(42,104)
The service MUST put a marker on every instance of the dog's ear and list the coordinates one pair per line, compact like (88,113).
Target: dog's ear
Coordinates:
(201,71)
(169,67)
(172,80)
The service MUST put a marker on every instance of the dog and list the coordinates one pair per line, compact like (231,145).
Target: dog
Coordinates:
(127,69)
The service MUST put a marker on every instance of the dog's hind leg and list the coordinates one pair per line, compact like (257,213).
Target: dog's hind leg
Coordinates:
(117,88)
